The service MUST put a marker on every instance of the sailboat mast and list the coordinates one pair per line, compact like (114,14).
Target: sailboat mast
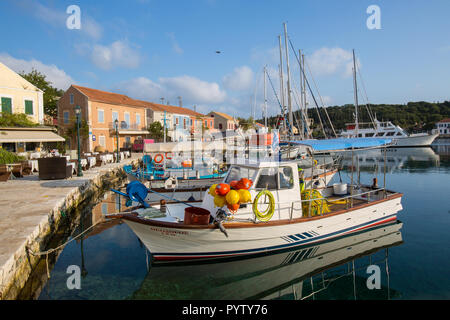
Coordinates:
(281,82)
(265,98)
(305,106)
(356,95)
(302,118)
(291,118)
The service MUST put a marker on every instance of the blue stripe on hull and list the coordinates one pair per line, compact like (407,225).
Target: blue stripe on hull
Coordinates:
(197,255)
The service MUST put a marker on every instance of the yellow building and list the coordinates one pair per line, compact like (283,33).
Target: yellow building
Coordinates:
(17,95)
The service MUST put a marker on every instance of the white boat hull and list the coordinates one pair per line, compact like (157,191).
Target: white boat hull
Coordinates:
(194,242)
(419,140)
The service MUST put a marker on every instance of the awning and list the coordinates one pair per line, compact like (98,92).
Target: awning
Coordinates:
(341,144)
(12,136)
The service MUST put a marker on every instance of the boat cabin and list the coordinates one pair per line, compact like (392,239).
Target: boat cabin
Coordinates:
(377,129)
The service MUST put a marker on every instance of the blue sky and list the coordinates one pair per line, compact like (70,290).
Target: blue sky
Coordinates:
(150,49)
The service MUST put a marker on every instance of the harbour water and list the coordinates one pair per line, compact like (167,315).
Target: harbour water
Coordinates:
(413,255)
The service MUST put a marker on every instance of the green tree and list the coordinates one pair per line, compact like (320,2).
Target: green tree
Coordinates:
(51,94)
(16,120)
(246,124)
(157,131)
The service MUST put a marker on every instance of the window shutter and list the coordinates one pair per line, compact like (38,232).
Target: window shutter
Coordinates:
(28,107)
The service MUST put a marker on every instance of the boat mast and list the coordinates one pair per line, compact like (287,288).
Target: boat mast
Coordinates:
(305,104)
(265,98)
(302,130)
(291,118)
(281,82)
(356,95)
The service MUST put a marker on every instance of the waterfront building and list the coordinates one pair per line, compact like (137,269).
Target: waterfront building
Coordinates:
(443,127)
(100,109)
(223,121)
(17,95)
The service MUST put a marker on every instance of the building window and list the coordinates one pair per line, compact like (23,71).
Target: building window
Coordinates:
(6,105)
(211,124)
(102,141)
(115,116)
(66,117)
(220,126)
(101,116)
(71,98)
(127,119)
(206,124)
(184,123)
(28,107)
(138,119)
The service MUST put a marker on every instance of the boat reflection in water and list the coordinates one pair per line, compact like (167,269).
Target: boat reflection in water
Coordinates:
(307,273)
(396,158)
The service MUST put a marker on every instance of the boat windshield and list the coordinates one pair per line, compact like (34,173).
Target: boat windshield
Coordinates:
(237,173)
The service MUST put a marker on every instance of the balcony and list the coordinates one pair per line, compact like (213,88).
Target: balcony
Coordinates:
(129,128)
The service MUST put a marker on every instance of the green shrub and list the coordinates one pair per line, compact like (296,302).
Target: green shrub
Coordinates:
(16,120)
(9,157)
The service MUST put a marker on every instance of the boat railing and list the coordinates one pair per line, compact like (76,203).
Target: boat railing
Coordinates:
(349,203)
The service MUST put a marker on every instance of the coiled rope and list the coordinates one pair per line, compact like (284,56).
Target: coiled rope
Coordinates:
(267,214)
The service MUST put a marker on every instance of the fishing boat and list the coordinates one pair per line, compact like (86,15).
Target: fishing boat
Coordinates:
(274,212)
(287,274)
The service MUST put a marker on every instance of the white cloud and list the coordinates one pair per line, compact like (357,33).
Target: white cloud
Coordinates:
(328,61)
(141,88)
(192,90)
(58,77)
(239,80)
(175,45)
(118,53)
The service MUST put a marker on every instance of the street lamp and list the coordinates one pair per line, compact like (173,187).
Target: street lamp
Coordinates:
(116,123)
(78,114)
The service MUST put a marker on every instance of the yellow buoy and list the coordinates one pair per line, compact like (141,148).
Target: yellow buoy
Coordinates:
(212,190)
(244,196)
(232,197)
(219,201)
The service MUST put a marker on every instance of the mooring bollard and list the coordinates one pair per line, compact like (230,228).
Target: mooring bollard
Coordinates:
(162,206)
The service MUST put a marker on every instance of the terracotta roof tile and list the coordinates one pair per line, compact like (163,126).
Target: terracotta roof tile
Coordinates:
(116,98)
(223,115)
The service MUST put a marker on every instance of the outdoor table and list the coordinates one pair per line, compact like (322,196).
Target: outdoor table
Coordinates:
(35,155)
(83,163)
(92,161)
(127,153)
(109,158)
(34,165)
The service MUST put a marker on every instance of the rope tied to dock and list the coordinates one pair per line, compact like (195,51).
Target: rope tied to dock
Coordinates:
(47,252)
